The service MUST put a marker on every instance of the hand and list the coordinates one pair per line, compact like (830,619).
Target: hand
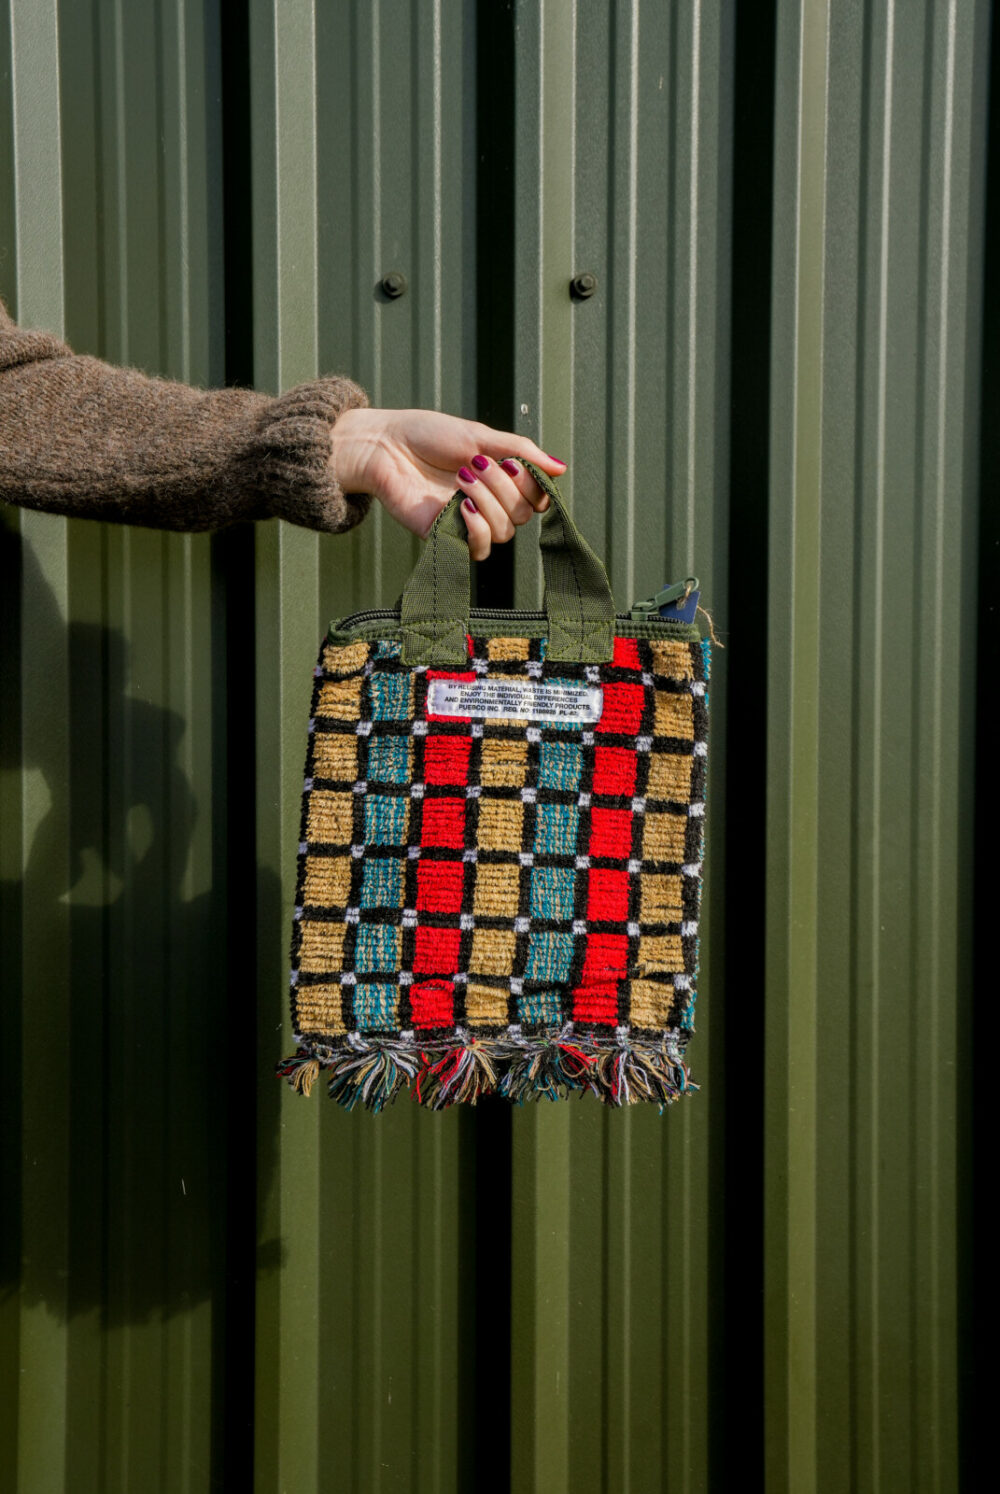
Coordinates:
(412,461)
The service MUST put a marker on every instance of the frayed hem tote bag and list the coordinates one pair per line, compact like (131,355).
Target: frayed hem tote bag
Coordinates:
(499,869)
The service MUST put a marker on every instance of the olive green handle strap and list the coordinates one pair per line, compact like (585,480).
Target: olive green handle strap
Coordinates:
(580,608)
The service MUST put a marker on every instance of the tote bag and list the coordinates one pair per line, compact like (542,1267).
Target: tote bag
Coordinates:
(500,861)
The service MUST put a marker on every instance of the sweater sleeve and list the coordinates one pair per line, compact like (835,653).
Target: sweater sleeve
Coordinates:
(81,437)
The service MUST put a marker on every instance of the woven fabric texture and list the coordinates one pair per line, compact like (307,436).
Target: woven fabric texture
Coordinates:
(496,905)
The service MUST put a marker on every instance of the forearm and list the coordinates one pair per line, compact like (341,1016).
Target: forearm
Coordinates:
(83,438)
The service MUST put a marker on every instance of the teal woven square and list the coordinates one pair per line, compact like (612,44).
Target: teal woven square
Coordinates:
(542,1007)
(390,696)
(555,829)
(377,948)
(375,1006)
(387,760)
(549,956)
(382,884)
(559,766)
(552,892)
(385,819)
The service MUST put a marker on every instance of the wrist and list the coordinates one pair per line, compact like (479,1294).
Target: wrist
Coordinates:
(351,446)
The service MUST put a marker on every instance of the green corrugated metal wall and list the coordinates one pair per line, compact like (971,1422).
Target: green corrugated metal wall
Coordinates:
(210,1284)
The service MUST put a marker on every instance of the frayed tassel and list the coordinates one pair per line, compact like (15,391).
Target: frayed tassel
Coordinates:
(457,1078)
(372,1077)
(633,1076)
(373,1072)
(545,1071)
(302,1071)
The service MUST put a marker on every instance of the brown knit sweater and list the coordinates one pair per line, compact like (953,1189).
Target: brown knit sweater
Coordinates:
(81,437)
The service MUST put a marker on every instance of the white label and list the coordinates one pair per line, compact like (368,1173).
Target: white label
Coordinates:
(577,705)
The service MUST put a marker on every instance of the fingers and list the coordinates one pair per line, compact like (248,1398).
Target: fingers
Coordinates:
(503,491)
(496,496)
(508,488)
(526,485)
(507,444)
(480,534)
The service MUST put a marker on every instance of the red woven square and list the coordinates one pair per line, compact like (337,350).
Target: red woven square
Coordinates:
(607,894)
(443,823)
(439,886)
(446,759)
(432,1003)
(626,654)
(614,771)
(610,833)
(597,1003)
(622,708)
(436,951)
(606,957)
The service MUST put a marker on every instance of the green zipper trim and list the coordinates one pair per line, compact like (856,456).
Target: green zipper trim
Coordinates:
(385,623)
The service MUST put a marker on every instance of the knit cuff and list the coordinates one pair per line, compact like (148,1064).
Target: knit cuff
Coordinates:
(20,346)
(288,458)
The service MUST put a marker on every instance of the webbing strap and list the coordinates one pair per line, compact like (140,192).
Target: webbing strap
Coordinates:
(578,602)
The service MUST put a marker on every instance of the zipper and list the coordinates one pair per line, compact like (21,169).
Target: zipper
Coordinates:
(640,612)
(634,623)
(380,614)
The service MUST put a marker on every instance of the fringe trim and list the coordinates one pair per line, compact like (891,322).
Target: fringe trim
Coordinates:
(373,1072)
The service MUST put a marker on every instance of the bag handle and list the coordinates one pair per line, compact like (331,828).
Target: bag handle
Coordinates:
(434,608)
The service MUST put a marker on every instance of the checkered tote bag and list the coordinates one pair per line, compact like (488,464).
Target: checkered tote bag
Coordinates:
(499,869)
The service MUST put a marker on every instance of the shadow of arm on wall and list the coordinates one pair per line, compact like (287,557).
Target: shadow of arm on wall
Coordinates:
(128,1104)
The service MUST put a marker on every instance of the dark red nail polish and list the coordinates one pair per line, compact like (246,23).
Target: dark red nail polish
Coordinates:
(511,468)
(468,503)
(466,475)
(555,459)
(481,462)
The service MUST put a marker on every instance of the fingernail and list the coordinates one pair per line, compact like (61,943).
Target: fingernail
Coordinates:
(555,459)
(481,462)
(511,468)
(466,475)
(468,503)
